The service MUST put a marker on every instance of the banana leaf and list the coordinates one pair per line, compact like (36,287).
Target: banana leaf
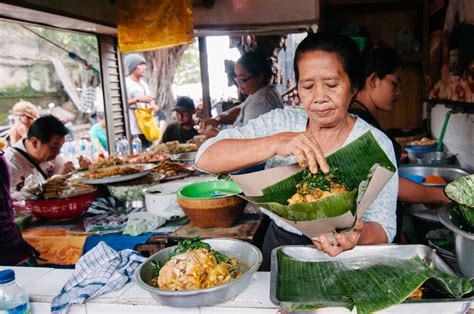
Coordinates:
(461,191)
(355,161)
(368,283)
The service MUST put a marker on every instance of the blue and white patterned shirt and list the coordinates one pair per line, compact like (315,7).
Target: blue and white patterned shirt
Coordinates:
(382,210)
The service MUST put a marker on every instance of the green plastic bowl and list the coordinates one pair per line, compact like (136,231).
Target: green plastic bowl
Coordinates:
(209,190)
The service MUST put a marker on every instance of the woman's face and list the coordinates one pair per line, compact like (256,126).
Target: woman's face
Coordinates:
(247,82)
(387,91)
(20,117)
(324,88)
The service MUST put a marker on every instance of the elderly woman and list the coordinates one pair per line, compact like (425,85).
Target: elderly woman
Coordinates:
(327,70)
(253,73)
(24,113)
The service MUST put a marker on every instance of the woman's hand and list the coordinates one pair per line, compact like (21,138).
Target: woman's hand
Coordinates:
(304,147)
(334,244)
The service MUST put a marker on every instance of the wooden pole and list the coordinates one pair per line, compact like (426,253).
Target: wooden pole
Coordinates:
(206,99)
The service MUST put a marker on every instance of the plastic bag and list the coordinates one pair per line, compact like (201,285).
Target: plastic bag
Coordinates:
(147,124)
(142,222)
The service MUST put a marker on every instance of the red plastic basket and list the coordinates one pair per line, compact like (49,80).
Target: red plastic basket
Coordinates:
(61,208)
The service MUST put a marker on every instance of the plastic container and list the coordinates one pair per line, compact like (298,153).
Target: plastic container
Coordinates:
(13,298)
(412,150)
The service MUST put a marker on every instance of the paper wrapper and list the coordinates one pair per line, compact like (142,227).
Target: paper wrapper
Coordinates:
(252,184)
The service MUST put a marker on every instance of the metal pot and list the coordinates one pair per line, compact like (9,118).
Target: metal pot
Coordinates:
(435,158)
(463,239)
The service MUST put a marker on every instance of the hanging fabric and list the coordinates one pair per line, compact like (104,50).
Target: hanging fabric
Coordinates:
(150,24)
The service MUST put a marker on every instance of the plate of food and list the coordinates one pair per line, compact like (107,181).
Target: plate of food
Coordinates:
(115,173)
(199,272)
(173,170)
(148,157)
(174,147)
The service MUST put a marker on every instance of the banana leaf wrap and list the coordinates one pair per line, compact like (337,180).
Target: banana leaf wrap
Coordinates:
(370,283)
(355,162)
(461,191)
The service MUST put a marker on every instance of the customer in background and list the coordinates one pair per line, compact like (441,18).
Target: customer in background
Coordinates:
(98,132)
(24,113)
(39,152)
(138,93)
(379,91)
(14,249)
(183,129)
(253,73)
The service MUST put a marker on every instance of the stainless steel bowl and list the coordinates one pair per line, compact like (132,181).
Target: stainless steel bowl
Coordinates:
(435,158)
(448,173)
(244,252)
(463,239)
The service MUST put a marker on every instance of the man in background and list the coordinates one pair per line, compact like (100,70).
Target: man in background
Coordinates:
(38,153)
(183,129)
(138,93)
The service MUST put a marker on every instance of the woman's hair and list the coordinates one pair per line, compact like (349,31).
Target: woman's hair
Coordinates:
(381,61)
(26,108)
(344,47)
(256,64)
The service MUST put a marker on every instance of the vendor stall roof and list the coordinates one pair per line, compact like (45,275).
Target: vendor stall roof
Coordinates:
(211,17)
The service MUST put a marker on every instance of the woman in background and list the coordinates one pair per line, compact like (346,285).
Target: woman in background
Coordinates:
(253,73)
(24,113)
(379,92)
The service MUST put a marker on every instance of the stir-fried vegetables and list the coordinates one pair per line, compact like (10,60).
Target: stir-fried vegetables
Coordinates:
(314,187)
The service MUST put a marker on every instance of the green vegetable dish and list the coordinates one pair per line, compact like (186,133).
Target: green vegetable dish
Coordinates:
(305,196)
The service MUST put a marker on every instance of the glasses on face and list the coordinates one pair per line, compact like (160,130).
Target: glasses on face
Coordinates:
(20,115)
(242,80)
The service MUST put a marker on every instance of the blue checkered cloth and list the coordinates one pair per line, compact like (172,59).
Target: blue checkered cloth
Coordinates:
(100,270)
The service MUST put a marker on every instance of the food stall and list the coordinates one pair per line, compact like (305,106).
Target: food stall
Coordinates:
(260,295)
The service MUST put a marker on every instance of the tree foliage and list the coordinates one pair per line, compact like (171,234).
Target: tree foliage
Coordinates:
(188,71)
(85,46)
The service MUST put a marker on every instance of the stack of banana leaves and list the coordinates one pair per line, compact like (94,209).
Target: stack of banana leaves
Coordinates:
(461,191)
(354,163)
(370,283)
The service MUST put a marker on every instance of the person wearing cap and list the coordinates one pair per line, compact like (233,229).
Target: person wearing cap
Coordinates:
(183,129)
(24,113)
(138,93)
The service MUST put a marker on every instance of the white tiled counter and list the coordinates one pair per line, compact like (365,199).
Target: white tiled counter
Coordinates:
(42,284)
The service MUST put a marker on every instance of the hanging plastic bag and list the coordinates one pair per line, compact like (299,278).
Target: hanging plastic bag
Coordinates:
(147,124)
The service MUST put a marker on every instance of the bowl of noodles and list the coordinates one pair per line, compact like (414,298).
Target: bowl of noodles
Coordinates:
(199,273)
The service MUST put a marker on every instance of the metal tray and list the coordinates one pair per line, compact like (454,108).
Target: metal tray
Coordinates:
(309,253)
(145,170)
